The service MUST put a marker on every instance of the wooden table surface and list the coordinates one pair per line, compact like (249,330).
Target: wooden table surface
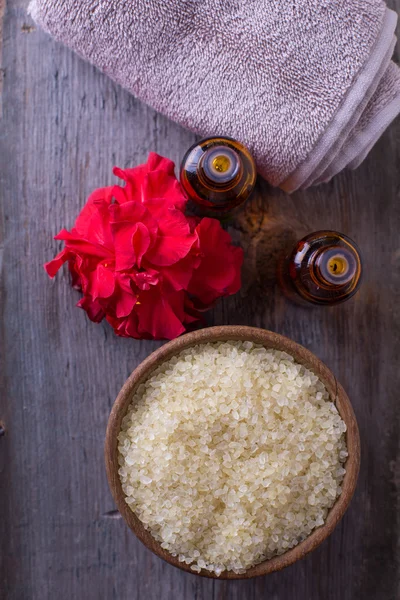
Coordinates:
(64,127)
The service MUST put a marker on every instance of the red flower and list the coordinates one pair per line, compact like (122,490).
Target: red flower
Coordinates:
(140,262)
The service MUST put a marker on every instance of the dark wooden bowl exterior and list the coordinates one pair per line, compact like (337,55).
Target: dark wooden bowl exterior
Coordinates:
(269,340)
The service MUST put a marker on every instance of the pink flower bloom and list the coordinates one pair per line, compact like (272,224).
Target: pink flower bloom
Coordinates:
(140,262)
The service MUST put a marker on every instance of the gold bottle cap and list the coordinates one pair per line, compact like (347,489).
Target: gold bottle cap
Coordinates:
(336,265)
(220,164)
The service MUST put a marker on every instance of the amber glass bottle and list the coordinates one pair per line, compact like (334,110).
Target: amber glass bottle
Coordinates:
(218,174)
(324,268)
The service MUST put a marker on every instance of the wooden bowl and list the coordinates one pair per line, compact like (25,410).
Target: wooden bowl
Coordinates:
(269,340)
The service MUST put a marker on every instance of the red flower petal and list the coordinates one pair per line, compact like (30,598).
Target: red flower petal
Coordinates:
(162,192)
(54,265)
(219,271)
(93,309)
(191,313)
(93,223)
(178,275)
(124,298)
(75,268)
(156,316)
(102,282)
(173,241)
(153,184)
(133,230)
(131,213)
(76,244)
(183,307)
(120,195)
(135,177)
(81,269)
(127,327)
(146,278)
(155,162)
(140,241)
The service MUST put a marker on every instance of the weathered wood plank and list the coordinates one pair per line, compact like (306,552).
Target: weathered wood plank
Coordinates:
(64,126)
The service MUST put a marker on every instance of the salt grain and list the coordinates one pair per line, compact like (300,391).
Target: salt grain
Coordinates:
(231,454)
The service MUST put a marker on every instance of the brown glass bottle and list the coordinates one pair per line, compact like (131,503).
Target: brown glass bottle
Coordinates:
(218,174)
(324,268)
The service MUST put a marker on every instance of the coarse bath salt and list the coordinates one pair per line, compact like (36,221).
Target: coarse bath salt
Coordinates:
(230,454)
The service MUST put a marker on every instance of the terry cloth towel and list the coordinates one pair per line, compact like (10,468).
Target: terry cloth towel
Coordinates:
(307,85)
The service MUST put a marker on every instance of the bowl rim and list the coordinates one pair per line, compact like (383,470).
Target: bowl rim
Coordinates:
(270,340)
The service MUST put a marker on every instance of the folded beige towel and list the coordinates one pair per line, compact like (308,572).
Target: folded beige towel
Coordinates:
(307,85)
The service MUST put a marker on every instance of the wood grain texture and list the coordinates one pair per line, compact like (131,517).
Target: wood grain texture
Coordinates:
(268,339)
(64,126)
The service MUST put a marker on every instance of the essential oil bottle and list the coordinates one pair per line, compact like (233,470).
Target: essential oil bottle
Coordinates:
(218,174)
(324,268)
